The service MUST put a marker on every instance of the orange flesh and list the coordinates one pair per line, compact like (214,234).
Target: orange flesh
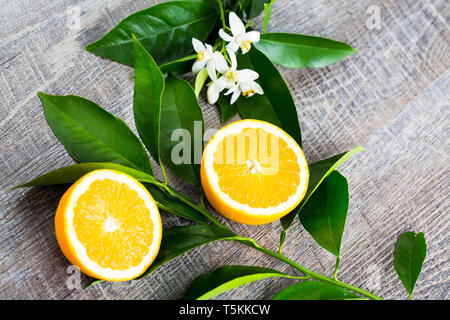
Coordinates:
(114,225)
(260,179)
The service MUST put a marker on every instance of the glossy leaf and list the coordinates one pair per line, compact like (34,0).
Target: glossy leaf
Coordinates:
(409,255)
(179,66)
(212,3)
(253,8)
(181,130)
(70,174)
(174,206)
(165,30)
(267,14)
(226,4)
(188,201)
(302,51)
(318,171)
(226,109)
(276,104)
(227,278)
(148,89)
(91,134)
(179,240)
(200,81)
(315,290)
(324,215)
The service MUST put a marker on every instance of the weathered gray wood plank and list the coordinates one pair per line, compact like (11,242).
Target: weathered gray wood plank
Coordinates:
(392,96)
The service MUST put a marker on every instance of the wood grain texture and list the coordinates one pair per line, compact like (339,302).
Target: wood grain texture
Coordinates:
(392,97)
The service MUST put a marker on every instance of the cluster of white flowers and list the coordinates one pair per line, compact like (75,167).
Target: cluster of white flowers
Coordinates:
(236,82)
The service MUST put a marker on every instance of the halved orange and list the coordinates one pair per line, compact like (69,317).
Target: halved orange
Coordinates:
(253,172)
(109,226)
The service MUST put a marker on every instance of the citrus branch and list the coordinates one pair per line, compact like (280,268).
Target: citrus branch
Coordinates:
(251,243)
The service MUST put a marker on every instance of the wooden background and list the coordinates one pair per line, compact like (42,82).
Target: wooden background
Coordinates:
(392,97)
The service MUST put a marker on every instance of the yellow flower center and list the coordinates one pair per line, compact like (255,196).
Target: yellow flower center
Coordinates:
(231,76)
(201,55)
(246,45)
(248,93)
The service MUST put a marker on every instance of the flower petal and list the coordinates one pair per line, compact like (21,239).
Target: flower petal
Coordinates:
(253,36)
(220,84)
(257,88)
(225,36)
(232,89)
(212,94)
(232,57)
(246,75)
(233,46)
(245,50)
(198,45)
(211,68)
(209,48)
(235,96)
(236,25)
(215,89)
(220,63)
(198,65)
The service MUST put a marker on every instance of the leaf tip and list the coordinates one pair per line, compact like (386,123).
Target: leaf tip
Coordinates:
(94,282)
(91,47)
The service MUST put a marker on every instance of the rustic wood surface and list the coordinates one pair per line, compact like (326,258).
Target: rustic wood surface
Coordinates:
(392,97)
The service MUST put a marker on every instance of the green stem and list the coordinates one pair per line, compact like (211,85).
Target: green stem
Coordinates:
(311,274)
(202,201)
(251,243)
(249,24)
(203,211)
(163,172)
(222,15)
(298,278)
(336,267)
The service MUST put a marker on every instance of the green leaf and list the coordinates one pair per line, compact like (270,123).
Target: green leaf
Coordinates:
(253,8)
(323,216)
(200,81)
(148,89)
(267,14)
(227,110)
(315,290)
(188,201)
(179,240)
(174,206)
(165,30)
(92,283)
(226,278)
(302,51)
(318,171)
(409,255)
(70,174)
(226,4)
(182,129)
(179,66)
(91,134)
(276,104)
